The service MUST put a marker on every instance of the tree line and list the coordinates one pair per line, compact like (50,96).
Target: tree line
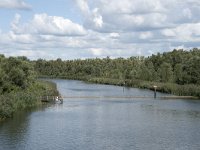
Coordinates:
(178,66)
(176,72)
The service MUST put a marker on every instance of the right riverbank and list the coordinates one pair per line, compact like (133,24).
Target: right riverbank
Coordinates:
(171,88)
(176,72)
(185,91)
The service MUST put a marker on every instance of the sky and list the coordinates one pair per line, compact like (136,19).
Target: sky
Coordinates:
(80,29)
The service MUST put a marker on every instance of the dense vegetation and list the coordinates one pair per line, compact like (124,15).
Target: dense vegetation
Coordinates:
(18,85)
(176,72)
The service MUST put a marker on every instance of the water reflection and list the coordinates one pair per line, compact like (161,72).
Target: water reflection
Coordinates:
(15,130)
(107,124)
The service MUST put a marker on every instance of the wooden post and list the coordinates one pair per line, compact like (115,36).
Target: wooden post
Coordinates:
(124,86)
(155,91)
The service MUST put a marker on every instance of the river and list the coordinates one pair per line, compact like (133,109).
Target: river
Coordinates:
(90,123)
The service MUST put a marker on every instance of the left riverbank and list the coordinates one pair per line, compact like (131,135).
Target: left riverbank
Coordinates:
(19,86)
(30,97)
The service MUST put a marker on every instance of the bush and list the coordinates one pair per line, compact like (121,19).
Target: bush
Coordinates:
(11,102)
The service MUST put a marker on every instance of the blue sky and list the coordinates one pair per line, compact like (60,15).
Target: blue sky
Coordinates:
(72,29)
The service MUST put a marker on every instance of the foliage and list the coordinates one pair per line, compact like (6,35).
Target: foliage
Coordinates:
(170,69)
(15,74)
(18,86)
(31,96)
(176,67)
(176,72)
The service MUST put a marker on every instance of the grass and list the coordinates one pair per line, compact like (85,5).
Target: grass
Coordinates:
(171,88)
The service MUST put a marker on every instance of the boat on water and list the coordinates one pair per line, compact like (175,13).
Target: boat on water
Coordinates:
(59,100)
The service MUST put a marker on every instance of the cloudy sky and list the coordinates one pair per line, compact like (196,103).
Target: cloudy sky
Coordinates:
(71,29)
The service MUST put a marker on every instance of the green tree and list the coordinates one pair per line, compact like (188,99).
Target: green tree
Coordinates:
(166,73)
(17,77)
(193,70)
(178,73)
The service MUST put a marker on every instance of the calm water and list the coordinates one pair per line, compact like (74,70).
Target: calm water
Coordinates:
(104,124)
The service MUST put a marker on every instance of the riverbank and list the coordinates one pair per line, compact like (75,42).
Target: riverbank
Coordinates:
(191,90)
(30,97)
(171,88)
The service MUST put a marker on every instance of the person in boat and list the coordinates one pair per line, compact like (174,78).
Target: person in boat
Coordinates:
(60,98)
(57,99)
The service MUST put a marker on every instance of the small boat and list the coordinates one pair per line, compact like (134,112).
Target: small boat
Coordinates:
(59,100)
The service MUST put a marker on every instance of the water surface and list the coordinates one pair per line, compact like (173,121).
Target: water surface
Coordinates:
(108,124)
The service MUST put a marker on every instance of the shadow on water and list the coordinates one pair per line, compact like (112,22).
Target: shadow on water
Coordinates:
(15,129)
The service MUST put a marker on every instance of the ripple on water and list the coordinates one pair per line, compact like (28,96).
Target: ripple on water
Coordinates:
(108,124)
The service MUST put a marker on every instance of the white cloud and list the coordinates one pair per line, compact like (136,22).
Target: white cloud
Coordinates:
(187,32)
(97,19)
(187,13)
(178,47)
(168,32)
(146,21)
(145,35)
(104,52)
(48,25)
(112,28)
(15,22)
(123,15)
(14,4)
(137,15)
(132,7)
(96,51)
(31,54)
(184,33)
(93,19)
(21,38)
(114,35)
(83,5)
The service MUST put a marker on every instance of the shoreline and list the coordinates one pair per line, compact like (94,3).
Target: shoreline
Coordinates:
(179,91)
